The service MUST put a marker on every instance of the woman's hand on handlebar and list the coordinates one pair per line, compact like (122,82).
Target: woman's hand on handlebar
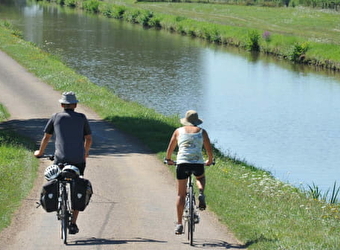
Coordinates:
(211,162)
(169,162)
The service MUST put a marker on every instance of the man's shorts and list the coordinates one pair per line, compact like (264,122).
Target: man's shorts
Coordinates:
(185,169)
(80,166)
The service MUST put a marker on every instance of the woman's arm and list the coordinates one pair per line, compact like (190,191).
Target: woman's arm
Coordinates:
(172,145)
(208,148)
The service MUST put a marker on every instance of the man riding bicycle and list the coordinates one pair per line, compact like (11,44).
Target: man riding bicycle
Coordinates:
(73,139)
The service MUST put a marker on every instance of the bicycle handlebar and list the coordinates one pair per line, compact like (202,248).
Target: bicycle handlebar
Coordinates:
(166,161)
(50,157)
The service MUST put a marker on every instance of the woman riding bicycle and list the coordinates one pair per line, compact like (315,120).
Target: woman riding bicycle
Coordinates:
(190,140)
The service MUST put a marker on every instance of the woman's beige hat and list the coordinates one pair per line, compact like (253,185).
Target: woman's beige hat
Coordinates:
(191,118)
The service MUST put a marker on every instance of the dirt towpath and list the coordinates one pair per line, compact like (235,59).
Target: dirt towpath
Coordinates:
(133,206)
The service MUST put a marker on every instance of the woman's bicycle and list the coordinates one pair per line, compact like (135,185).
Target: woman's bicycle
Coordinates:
(64,174)
(190,214)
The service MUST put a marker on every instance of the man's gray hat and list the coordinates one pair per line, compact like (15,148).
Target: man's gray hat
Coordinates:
(68,98)
(191,118)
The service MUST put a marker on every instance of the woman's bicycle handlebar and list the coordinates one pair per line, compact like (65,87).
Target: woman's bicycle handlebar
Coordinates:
(167,161)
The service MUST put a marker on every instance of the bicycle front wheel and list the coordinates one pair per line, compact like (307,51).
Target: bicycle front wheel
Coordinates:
(191,220)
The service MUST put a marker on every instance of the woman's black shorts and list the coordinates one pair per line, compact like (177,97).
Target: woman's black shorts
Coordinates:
(185,169)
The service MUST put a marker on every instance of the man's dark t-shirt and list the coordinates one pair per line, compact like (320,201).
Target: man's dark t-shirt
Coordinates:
(69,128)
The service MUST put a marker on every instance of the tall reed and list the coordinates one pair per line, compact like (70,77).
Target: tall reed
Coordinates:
(330,195)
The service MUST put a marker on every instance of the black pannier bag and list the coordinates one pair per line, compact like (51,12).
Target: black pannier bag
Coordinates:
(81,192)
(49,196)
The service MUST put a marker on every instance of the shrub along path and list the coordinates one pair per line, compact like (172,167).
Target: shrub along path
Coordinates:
(133,205)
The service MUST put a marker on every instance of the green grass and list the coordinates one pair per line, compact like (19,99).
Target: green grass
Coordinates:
(232,24)
(4,115)
(17,171)
(262,212)
(271,214)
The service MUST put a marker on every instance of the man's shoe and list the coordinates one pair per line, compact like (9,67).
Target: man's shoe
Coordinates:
(196,218)
(201,202)
(179,229)
(73,229)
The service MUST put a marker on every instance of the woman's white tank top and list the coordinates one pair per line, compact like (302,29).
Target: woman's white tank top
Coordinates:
(189,147)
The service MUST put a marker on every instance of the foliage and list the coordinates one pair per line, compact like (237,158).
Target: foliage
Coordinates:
(330,196)
(69,3)
(91,6)
(324,4)
(315,192)
(131,15)
(3,113)
(299,51)
(253,41)
(112,11)
(15,32)
(144,17)
(62,2)
(155,21)
(266,36)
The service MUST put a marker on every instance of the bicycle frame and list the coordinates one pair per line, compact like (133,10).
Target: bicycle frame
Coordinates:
(190,214)
(64,212)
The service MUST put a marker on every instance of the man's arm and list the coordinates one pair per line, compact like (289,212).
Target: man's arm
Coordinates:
(87,145)
(43,145)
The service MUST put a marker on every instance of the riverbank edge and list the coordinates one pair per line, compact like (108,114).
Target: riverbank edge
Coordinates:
(230,193)
(287,47)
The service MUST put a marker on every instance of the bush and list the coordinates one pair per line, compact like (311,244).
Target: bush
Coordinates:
(143,17)
(298,53)
(131,15)
(70,3)
(91,6)
(253,41)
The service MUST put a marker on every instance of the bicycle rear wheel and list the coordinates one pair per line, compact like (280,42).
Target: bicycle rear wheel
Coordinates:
(191,220)
(64,215)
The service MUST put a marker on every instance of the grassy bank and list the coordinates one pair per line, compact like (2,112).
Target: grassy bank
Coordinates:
(301,35)
(17,171)
(262,212)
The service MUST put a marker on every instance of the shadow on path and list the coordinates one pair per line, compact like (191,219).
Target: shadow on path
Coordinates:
(101,241)
(106,139)
(214,243)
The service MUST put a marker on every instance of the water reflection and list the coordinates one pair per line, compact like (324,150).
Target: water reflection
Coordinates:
(278,116)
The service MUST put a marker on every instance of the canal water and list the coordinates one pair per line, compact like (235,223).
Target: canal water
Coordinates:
(274,115)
